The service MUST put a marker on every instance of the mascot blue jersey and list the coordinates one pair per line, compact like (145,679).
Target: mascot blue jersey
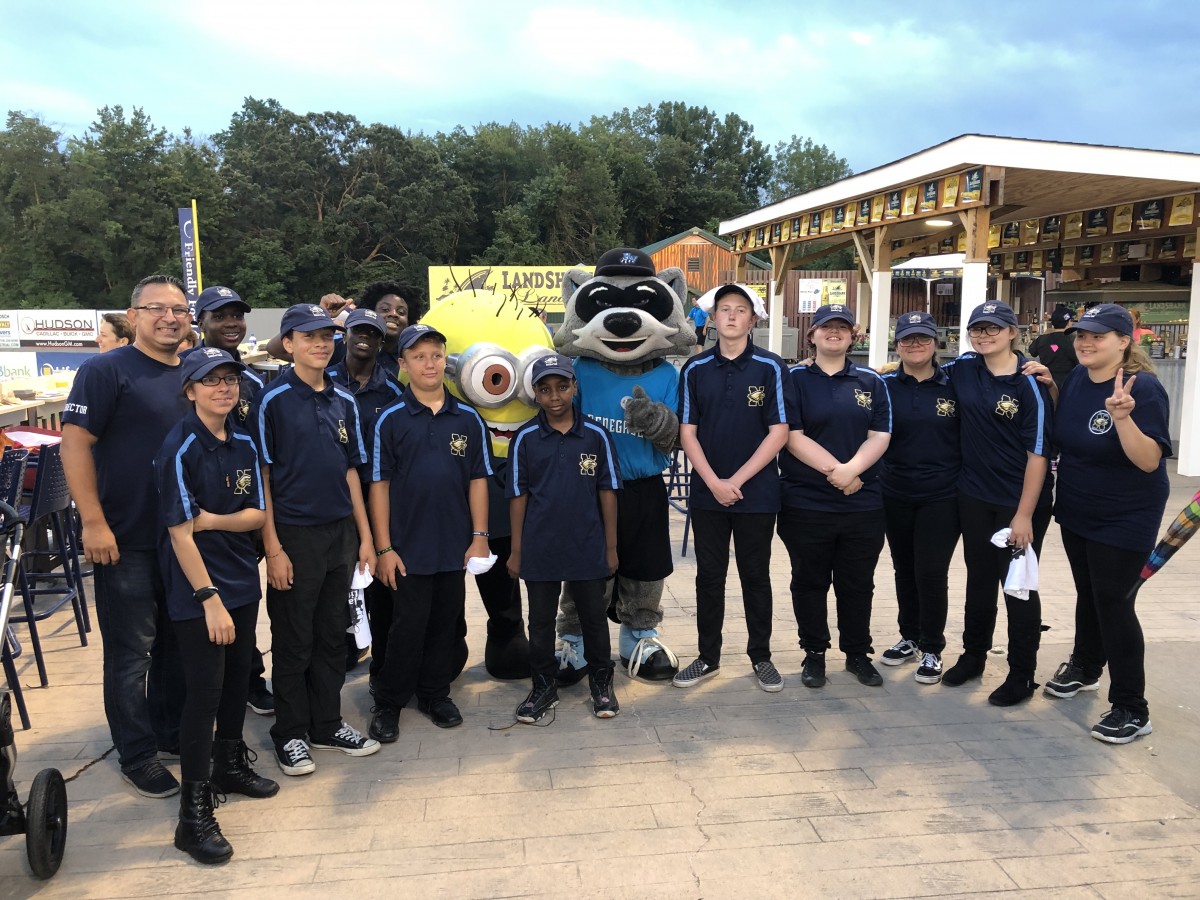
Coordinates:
(600,394)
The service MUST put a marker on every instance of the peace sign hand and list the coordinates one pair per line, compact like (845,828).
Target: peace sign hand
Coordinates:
(1121,403)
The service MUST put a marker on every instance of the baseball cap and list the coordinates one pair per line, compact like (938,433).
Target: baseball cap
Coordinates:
(1061,316)
(366,317)
(203,360)
(306,317)
(551,365)
(1105,317)
(916,323)
(708,300)
(217,296)
(414,333)
(995,312)
(626,261)
(833,311)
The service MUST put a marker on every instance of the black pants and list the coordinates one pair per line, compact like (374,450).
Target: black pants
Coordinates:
(308,628)
(217,684)
(1106,624)
(752,534)
(258,668)
(379,612)
(593,623)
(426,610)
(987,567)
(839,549)
(922,536)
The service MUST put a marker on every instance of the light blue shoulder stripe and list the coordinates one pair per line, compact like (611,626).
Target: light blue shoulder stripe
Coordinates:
(1040,444)
(349,398)
(188,509)
(262,502)
(375,470)
(778,383)
(687,393)
(514,456)
(487,456)
(615,485)
(270,395)
(883,382)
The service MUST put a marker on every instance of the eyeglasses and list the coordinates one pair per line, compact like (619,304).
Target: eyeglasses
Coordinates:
(989,330)
(179,312)
(915,340)
(214,380)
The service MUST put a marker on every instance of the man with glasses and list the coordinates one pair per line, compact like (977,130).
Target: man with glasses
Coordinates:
(121,407)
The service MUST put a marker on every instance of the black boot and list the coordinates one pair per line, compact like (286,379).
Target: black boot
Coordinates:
(232,773)
(198,833)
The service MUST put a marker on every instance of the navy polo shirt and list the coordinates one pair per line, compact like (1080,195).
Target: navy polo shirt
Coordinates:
(562,474)
(430,461)
(922,461)
(129,402)
(390,360)
(836,411)
(1101,495)
(197,471)
(1003,419)
(248,388)
(309,439)
(380,392)
(733,403)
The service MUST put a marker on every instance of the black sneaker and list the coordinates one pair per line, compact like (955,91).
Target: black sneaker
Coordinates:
(1120,726)
(968,666)
(900,653)
(542,699)
(261,701)
(930,669)
(812,670)
(1069,680)
(293,757)
(348,740)
(694,674)
(768,676)
(385,724)
(866,673)
(150,779)
(1015,689)
(604,699)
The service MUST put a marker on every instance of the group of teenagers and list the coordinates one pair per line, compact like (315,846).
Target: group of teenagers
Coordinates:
(337,466)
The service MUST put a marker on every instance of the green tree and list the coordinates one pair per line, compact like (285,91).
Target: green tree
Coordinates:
(802,166)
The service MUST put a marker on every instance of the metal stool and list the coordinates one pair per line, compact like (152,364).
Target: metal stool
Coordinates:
(679,491)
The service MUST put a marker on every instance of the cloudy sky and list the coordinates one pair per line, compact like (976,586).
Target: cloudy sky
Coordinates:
(872,79)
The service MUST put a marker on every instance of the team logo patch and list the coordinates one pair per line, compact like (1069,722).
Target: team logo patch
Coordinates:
(946,407)
(243,410)
(915,317)
(756,394)
(1008,406)
(458,445)
(587,464)
(242,485)
(342,435)
(628,259)
(1100,423)
(862,398)
(989,308)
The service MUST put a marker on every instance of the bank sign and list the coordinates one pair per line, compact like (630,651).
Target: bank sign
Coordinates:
(56,328)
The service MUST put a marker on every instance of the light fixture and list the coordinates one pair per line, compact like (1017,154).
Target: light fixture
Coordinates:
(939,223)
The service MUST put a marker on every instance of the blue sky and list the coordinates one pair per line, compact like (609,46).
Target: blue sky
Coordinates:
(874,80)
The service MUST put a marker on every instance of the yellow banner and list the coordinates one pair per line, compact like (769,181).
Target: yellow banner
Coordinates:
(536,286)
(1182,209)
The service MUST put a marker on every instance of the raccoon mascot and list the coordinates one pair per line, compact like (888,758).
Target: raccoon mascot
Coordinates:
(621,323)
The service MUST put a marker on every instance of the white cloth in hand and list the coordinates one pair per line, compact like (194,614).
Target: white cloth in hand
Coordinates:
(1022,574)
(477,565)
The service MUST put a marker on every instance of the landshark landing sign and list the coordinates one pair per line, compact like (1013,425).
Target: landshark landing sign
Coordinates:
(537,286)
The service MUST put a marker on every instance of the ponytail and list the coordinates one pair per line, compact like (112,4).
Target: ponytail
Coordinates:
(1136,360)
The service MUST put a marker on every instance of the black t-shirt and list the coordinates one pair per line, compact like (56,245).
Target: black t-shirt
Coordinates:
(1056,351)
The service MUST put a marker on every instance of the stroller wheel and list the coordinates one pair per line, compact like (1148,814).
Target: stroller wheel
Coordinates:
(46,823)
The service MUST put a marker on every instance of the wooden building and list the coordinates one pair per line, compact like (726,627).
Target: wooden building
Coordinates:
(706,260)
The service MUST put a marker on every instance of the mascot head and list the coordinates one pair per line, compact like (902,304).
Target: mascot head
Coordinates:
(491,343)
(625,313)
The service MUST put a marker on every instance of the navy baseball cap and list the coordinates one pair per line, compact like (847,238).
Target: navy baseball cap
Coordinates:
(832,311)
(554,364)
(306,317)
(203,360)
(1061,316)
(217,296)
(915,323)
(1105,317)
(626,261)
(414,333)
(994,312)
(366,317)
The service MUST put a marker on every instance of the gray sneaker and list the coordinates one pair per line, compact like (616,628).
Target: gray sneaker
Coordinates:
(768,676)
(694,674)
(150,779)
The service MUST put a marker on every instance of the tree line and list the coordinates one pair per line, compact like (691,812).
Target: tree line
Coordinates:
(294,205)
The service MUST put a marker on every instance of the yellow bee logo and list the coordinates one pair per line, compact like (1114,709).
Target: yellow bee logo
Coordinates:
(1008,406)
(342,436)
(756,394)
(587,464)
(242,485)
(458,445)
(243,410)
(1101,422)
(863,398)
(946,407)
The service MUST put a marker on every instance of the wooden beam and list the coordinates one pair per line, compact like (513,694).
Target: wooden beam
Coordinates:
(976,223)
(866,261)
(883,260)
(780,257)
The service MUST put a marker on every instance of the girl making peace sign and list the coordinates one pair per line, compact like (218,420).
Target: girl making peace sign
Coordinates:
(1111,427)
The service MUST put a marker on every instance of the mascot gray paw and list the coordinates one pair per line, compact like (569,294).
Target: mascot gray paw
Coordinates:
(654,421)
